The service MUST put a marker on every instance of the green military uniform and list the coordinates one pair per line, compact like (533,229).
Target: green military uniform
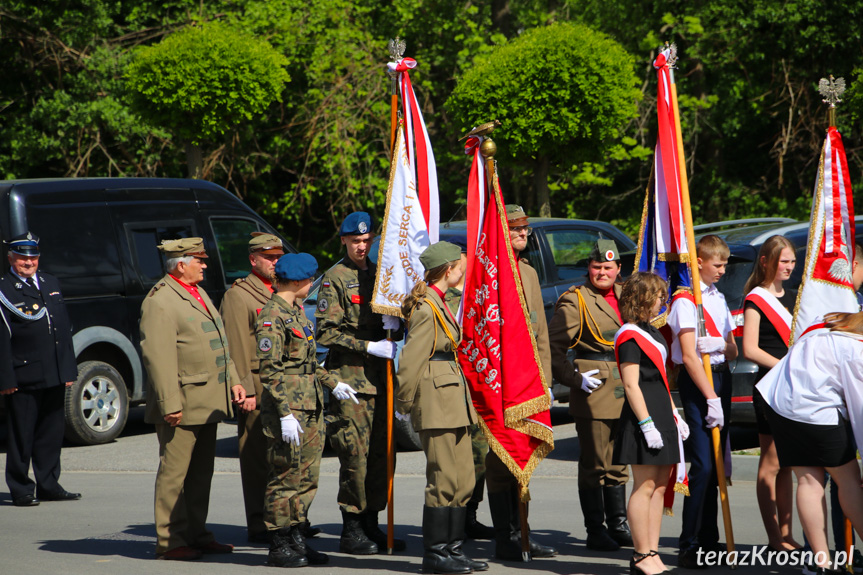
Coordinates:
(185,351)
(291,380)
(346,324)
(240,308)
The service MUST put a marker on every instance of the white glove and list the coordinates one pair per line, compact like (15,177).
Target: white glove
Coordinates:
(391,322)
(651,435)
(403,416)
(344,391)
(291,429)
(550,395)
(710,345)
(589,384)
(682,426)
(383,348)
(714,417)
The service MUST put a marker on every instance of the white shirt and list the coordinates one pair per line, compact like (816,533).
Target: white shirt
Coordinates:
(684,315)
(819,380)
(33,277)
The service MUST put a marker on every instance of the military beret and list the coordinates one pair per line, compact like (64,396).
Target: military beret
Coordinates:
(265,243)
(183,247)
(296,267)
(515,215)
(25,245)
(461,242)
(439,254)
(356,224)
(604,251)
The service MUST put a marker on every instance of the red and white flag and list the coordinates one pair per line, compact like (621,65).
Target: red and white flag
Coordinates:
(508,389)
(827,285)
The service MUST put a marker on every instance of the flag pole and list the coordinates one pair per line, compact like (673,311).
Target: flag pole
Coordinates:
(396,49)
(718,448)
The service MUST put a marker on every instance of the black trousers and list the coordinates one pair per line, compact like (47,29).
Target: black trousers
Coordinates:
(35,422)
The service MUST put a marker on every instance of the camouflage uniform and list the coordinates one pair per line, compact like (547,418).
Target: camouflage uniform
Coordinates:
(292,383)
(346,324)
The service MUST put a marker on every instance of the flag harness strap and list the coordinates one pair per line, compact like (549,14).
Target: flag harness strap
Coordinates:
(585,314)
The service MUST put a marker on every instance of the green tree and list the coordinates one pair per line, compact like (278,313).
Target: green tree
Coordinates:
(562,92)
(203,81)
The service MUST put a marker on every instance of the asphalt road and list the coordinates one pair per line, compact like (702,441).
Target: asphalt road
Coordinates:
(110,530)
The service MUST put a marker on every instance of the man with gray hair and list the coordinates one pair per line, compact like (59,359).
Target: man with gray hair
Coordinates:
(190,380)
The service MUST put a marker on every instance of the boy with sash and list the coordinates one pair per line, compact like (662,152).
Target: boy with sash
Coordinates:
(705,406)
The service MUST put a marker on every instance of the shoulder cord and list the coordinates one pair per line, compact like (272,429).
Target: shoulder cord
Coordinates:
(15,311)
(445,329)
(593,328)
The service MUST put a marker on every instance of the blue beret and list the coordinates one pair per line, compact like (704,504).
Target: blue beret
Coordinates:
(356,224)
(296,267)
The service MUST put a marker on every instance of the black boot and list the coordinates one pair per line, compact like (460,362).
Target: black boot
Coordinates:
(354,540)
(370,528)
(537,551)
(473,528)
(456,538)
(281,554)
(436,526)
(502,512)
(598,538)
(615,514)
(308,530)
(298,544)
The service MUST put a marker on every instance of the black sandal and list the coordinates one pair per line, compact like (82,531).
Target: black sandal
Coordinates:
(637,558)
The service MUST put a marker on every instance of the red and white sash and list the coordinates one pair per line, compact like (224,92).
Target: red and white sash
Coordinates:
(712,330)
(658,354)
(780,318)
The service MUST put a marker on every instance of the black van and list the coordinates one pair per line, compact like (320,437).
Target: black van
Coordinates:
(99,237)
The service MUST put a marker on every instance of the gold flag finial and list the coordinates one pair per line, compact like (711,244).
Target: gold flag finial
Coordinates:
(481,130)
(831,89)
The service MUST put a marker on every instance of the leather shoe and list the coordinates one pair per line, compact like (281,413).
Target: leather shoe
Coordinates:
(28,500)
(183,553)
(215,548)
(688,559)
(61,495)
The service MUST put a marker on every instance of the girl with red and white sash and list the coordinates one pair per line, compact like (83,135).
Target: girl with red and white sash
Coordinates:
(766,329)
(650,434)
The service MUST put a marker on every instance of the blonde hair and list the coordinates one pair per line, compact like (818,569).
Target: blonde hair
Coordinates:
(419,290)
(848,322)
(712,247)
(638,295)
(764,272)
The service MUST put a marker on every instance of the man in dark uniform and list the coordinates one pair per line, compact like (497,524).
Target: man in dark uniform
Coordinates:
(358,354)
(36,360)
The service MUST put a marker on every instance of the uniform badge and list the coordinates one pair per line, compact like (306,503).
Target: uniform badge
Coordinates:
(297,332)
(326,284)
(353,285)
(363,227)
(609,255)
(18,285)
(323,305)
(35,306)
(268,324)
(289,320)
(265,344)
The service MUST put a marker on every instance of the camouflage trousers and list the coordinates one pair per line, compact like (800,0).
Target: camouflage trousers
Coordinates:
(358,434)
(479,444)
(293,473)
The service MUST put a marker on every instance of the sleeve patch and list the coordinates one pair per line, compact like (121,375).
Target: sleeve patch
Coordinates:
(265,344)
(267,324)
(323,304)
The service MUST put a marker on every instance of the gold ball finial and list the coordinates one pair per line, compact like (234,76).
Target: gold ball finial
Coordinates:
(488,148)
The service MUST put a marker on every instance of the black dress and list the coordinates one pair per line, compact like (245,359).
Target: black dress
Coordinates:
(630,447)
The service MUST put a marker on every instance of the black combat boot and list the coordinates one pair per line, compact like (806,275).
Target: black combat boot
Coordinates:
(537,551)
(370,528)
(473,528)
(308,530)
(615,514)
(436,528)
(298,544)
(281,554)
(500,505)
(354,540)
(456,538)
(598,538)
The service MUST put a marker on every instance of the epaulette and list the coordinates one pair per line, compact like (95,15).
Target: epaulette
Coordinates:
(156,288)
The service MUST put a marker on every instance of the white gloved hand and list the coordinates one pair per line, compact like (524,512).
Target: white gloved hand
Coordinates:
(291,429)
(651,435)
(391,322)
(710,345)
(714,417)
(344,391)
(403,416)
(682,426)
(550,396)
(383,348)
(590,384)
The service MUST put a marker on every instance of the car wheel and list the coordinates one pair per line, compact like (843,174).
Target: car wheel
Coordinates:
(405,436)
(97,404)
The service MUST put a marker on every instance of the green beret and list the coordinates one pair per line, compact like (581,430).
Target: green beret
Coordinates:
(183,247)
(439,254)
(266,243)
(604,251)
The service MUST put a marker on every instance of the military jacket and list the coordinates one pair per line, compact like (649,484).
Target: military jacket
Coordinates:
(432,387)
(185,352)
(240,308)
(607,400)
(290,374)
(536,309)
(35,334)
(346,323)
